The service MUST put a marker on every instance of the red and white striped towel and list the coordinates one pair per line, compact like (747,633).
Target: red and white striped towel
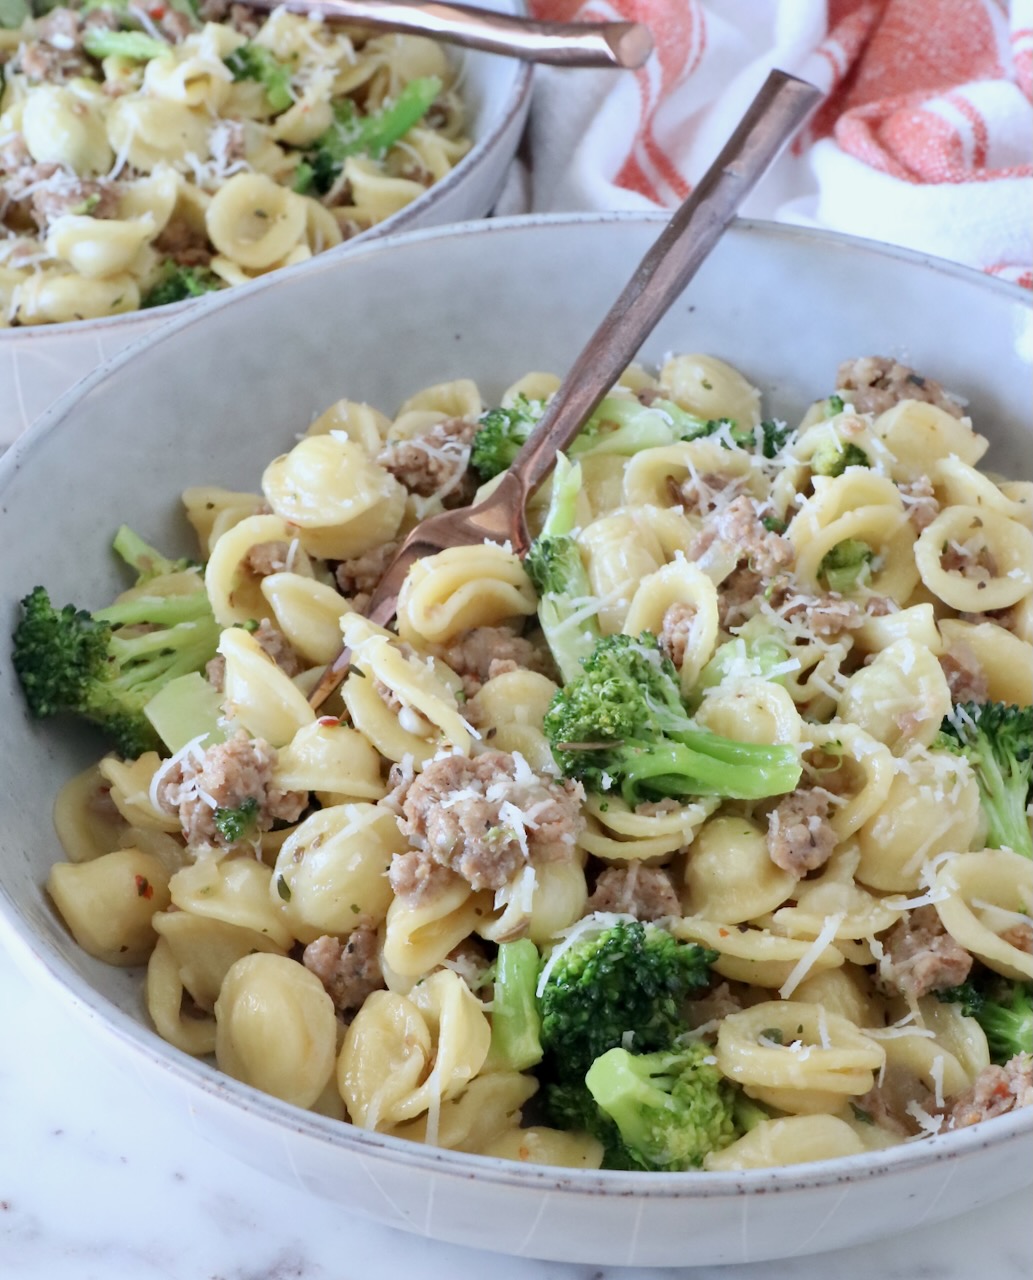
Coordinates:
(925,138)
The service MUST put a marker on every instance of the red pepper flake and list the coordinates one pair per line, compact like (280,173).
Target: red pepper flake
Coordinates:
(329,722)
(144,888)
(722,933)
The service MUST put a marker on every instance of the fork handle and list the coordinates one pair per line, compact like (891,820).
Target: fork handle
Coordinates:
(778,110)
(563,44)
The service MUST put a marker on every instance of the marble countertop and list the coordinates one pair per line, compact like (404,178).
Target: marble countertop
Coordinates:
(99,1180)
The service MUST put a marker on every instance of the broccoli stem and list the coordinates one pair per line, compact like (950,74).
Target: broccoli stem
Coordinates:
(709,769)
(166,611)
(558,572)
(134,46)
(146,560)
(515,1024)
(1004,806)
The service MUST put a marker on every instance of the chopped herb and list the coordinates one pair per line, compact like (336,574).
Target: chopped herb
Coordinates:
(235,824)
(865,1117)
(773,1034)
(773,524)
(283,889)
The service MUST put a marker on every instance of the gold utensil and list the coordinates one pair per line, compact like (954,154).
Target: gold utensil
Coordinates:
(779,109)
(563,44)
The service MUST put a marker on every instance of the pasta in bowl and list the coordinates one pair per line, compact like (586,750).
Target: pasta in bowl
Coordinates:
(384,914)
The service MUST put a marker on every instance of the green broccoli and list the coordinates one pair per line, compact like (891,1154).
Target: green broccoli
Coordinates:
(255,62)
(353,133)
(622,724)
(620,426)
(832,457)
(671,1107)
(767,439)
(847,566)
(127,10)
(12,14)
(237,824)
(501,434)
(758,649)
(566,610)
(144,559)
(623,426)
(515,1040)
(176,283)
(834,405)
(134,46)
(619,979)
(995,738)
(1003,1007)
(107,665)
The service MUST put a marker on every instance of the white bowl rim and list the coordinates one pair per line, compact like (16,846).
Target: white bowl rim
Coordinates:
(397,222)
(193,1073)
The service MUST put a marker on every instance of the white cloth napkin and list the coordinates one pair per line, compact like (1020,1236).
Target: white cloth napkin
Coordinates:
(925,138)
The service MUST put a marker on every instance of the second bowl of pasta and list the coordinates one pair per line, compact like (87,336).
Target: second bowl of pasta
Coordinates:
(626,902)
(147,159)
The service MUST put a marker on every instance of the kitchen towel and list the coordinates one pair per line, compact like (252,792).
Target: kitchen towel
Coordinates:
(925,137)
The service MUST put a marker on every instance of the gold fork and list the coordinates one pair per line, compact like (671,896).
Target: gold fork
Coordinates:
(779,109)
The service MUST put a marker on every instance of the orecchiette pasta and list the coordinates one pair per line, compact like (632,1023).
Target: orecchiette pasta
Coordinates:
(712,825)
(275,1028)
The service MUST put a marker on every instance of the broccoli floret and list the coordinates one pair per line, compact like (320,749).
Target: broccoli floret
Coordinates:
(255,62)
(555,567)
(619,978)
(847,566)
(236,824)
(995,738)
(834,405)
(671,1108)
(134,46)
(353,133)
(832,457)
(501,434)
(515,1041)
(623,724)
(144,559)
(175,283)
(106,666)
(1003,1007)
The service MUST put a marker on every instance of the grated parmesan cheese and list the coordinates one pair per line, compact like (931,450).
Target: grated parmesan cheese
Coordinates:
(809,958)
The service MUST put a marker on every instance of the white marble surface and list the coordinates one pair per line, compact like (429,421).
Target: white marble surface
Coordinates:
(101,1180)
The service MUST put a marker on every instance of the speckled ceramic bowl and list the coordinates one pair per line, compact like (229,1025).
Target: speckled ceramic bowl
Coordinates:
(222,389)
(38,363)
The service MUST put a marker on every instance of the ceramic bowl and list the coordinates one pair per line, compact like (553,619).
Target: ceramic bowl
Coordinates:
(39,362)
(219,391)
